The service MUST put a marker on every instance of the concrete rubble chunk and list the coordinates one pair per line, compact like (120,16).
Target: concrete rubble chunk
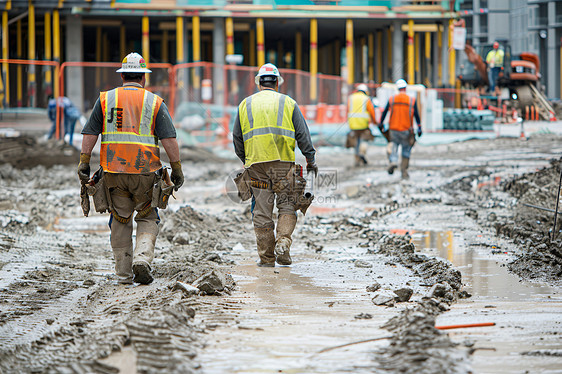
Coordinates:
(181,238)
(210,283)
(403,294)
(187,289)
(441,291)
(383,300)
(363,264)
(374,287)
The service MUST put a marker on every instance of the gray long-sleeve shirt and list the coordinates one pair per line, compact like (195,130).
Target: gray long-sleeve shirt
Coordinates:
(302,136)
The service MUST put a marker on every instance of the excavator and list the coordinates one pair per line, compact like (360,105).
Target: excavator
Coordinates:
(517,81)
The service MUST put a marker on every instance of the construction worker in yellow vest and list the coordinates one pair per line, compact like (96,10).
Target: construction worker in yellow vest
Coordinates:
(494,59)
(360,110)
(131,121)
(403,110)
(268,125)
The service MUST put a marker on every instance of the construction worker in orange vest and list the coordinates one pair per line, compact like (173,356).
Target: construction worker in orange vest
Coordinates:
(403,110)
(131,121)
(360,111)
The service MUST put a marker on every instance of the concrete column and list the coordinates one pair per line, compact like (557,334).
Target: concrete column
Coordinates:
(398,52)
(444,54)
(219,44)
(435,53)
(476,24)
(74,76)
(551,80)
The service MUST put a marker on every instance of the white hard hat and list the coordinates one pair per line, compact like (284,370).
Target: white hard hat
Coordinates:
(362,87)
(133,63)
(269,70)
(401,83)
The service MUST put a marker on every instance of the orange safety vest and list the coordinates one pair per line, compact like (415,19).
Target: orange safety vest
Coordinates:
(401,112)
(128,142)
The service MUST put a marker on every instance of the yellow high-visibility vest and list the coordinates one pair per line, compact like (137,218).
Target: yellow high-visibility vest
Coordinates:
(357,115)
(266,120)
(495,58)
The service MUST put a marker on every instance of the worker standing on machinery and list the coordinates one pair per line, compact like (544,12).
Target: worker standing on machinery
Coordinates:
(131,120)
(266,128)
(403,110)
(359,110)
(494,59)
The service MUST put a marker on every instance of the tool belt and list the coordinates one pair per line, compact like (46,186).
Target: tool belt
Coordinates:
(243,182)
(411,137)
(294,185)
(99,192)
(163,188)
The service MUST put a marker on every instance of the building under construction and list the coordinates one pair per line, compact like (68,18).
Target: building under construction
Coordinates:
(72,47)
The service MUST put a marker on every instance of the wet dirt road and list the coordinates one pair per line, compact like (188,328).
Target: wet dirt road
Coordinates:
(57,290)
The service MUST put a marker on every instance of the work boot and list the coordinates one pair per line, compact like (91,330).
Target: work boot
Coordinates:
(391,168)
(143,256)
(142,273)
(404,167)
(285,227)
(265,240)
(123,264)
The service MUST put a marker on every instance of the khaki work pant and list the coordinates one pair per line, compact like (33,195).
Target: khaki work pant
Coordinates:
(130,192)
(264,199)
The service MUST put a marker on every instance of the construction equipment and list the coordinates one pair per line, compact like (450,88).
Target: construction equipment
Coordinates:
(517,80)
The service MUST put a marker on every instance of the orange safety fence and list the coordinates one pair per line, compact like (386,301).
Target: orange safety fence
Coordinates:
(34,91)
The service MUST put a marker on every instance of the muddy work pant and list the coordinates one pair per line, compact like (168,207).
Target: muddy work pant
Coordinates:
(399,139)
(268,174)
(131,193)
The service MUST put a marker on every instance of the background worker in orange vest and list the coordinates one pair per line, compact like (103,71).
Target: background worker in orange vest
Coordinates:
(360,110)
(131,120)
(403,110)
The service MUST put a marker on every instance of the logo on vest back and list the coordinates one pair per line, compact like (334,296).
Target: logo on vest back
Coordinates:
(117,114)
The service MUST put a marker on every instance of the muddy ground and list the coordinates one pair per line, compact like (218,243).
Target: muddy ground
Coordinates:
(375,258)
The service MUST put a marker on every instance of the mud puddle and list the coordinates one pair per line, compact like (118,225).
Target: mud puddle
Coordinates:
(285,315)
(528,332)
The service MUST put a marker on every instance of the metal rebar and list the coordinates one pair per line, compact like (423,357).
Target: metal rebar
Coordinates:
(556,209)
(541,208)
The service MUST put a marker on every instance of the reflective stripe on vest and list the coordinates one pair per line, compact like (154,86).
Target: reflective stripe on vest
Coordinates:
(401,112)
(128,143)
(266,121)
(357,115)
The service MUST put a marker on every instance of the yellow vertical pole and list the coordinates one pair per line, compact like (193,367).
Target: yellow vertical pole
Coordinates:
(349,50)
(165,41)
(298,50)
(5,55)
(452,56)
(379,56)
(417,77)
(122,42)
(427,59)
(196,40)
(179,40)
(411,52)
(146,43)
(313,60)
(229,27)
(439,56)
(48,77)
(371,54)
(56,50)
(261,37)
(31,83)
(252,48)
(19,78)
(97,76)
